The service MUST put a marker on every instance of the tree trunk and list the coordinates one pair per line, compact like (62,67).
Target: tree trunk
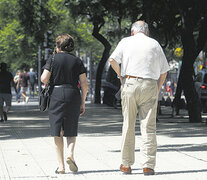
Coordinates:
(105,56)
(187,70)
(193,102)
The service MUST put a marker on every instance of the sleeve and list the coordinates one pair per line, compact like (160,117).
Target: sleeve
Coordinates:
(47,66)
(163,61)
(118,53)
(82,67)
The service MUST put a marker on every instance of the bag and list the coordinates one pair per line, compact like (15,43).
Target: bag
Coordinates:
(44,99)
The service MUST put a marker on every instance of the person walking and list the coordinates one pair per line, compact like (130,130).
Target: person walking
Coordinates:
(6,79)
(66,103)
(32,80)
(24,83)
(143,71)
(17,87)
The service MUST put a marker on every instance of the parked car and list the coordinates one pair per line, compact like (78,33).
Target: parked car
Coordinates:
(201,88)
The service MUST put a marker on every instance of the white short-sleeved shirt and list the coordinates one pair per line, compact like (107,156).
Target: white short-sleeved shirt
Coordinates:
(140,56)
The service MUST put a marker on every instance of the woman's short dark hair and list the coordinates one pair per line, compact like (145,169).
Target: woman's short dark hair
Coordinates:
(65,42)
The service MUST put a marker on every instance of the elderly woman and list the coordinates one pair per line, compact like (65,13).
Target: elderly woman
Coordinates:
(66,103)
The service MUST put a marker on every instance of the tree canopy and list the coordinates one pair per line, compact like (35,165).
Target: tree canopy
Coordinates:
(99,24)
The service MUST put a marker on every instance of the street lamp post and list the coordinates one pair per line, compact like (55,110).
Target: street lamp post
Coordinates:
(39,52)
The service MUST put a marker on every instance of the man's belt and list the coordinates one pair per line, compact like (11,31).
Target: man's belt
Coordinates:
(133,77)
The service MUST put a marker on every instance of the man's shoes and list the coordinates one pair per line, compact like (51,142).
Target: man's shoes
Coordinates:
(148,171)
(5,116)
(125,169)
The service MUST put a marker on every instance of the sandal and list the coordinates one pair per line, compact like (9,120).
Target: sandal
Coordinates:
(72,165)
(59,172)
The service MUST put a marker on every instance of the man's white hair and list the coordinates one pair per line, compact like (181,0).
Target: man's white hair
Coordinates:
(140,26)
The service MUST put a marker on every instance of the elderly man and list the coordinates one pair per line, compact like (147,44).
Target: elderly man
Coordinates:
(143,71)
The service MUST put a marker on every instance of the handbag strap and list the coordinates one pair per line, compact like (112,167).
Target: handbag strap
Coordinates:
(51,64)
(51,68)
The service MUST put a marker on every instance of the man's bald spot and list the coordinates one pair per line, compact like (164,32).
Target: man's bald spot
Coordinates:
(140,27)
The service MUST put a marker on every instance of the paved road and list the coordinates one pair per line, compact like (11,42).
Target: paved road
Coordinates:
(26,148)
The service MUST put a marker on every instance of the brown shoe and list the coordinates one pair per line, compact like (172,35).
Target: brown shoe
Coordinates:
(125,169)
(148,171)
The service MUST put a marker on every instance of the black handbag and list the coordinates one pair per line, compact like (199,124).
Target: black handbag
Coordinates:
(44,99)
(44,96)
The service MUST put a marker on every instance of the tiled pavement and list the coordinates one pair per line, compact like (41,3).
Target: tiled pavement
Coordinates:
(27,152)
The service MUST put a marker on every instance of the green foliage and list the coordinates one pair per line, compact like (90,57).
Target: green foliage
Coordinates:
(168,18)
(22,30)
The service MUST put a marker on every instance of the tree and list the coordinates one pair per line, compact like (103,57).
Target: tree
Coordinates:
(102,13)
(10,34)
(95,13)
(187,21)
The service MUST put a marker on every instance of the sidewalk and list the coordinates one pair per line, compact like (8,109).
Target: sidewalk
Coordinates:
(26,148)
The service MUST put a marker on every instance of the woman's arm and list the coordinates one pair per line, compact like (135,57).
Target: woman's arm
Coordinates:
(84,90)
(45,76)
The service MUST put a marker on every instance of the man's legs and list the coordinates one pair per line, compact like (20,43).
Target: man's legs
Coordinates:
(7,99)
(2,113)
(147,116)
(129,110)
(24,96)
(23,92)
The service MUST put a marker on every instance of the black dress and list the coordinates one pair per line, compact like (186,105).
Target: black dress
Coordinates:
(64,107)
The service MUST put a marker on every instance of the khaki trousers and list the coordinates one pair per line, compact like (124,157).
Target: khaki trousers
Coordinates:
(139,96)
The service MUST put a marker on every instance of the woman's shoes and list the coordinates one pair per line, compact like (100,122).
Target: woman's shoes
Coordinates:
(59,172)
(72,165)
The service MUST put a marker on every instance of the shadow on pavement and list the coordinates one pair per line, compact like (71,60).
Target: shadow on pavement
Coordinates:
(99,120)
(181,172)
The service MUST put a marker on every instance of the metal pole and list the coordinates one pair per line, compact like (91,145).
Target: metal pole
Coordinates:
(39,53)
(90,76)
(39,67)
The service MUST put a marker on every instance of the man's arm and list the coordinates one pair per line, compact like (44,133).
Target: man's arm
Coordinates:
(161,80)
(116,68)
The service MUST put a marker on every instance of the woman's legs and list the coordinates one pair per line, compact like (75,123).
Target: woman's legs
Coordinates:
(71,145)
(59,145)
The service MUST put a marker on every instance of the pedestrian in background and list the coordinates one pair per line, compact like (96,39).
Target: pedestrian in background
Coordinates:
(143,71)
(66,104)
(6,79)
(24,83)
(17,86)
(32,80)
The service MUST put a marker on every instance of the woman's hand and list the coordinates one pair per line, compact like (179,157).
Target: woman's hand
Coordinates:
(82,109)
